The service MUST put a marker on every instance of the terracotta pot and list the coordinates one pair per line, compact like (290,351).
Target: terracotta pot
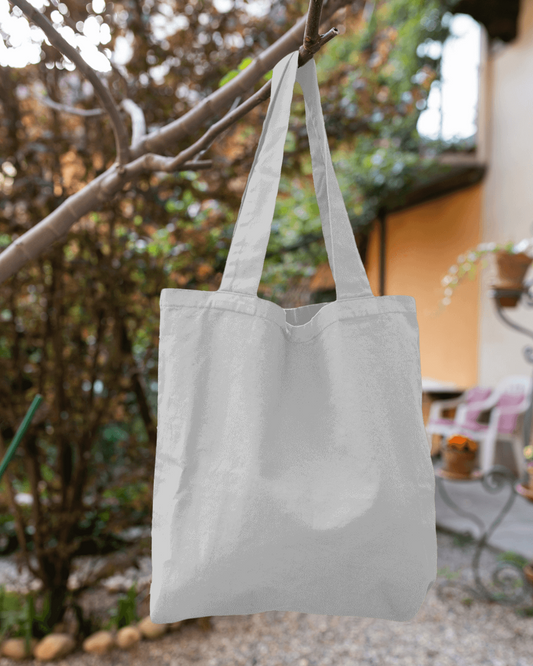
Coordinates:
(509,301)
(528,571)
(530,472)
(508,272)
(459,462)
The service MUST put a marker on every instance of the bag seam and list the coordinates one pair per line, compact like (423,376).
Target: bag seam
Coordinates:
(249,314)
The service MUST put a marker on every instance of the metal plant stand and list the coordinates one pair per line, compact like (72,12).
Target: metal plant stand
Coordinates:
(508,574)
(509,580)
(526,295)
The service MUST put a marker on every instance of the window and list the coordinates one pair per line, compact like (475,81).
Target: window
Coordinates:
(451,113)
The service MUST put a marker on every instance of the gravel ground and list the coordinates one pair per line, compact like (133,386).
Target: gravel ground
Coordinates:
(452,628)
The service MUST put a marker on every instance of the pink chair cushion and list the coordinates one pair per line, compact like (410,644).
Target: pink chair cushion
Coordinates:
(442,421)
(476,394)
(507,422)
(473,426)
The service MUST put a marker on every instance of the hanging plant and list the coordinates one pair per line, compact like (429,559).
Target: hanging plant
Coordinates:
(510,262)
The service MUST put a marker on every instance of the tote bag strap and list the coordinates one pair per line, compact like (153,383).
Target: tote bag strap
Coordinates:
(244,265)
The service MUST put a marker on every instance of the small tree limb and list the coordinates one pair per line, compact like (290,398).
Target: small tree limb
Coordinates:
(311,36)
(138,121)
(70,109)
(235,104)
(154,162)
(20,525)
(70,52)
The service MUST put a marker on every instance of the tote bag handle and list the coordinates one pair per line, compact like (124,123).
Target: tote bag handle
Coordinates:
(244,265)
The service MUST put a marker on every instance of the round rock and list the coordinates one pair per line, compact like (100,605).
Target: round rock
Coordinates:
(54,646)
(150,629)
(127,637)
(100,642)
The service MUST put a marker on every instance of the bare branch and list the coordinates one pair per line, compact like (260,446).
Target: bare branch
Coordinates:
(20,525)
(70,109)
(153,162)
(164,138)
(195,165)
(311,36)
(70,52)
(235,104)
(56,225)
(368,10)
(172,163)
(138,122)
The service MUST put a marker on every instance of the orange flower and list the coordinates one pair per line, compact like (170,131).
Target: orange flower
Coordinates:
(461,443)
(458,439)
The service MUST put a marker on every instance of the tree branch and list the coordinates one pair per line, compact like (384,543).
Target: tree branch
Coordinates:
(235,104)
(56,225)
(138,122)
(311,36)
(163,138)
(70,109)
(153,162)
(70,52)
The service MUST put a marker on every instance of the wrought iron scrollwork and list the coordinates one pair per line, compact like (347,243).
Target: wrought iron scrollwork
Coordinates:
(510,583)
(509,580)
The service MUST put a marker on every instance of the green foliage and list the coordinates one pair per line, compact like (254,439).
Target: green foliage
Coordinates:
(448,573)
(125,612)
(234,72)
(524,612)
(463,540)
(19,617)
(374,84)
(513,558)
(13,614)
(386,89)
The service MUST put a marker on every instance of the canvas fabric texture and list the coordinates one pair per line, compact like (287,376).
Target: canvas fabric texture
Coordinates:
(293,471)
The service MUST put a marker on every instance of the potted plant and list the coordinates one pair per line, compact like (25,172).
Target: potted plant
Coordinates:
(460,455)
(528,455)
(510,262)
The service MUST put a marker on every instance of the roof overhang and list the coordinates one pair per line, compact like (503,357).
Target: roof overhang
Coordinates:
(458,172)
(500,17)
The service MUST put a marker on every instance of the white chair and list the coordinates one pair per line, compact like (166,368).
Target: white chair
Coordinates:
(507,404)
(438,424)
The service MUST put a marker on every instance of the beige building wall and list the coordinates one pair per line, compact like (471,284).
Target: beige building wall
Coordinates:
(422,243)
(506,129)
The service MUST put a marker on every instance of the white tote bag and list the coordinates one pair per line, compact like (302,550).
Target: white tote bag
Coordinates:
(293,471)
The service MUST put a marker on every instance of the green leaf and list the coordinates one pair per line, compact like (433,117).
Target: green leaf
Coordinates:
(244,64)
(173,205)
(228,77)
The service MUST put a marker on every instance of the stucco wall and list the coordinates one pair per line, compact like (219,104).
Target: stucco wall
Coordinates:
(422,243)
(508,188)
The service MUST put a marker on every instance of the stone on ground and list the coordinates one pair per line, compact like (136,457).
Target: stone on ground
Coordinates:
(150,629)
(54,646)
(127,637)
(100,642)
(15,648)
